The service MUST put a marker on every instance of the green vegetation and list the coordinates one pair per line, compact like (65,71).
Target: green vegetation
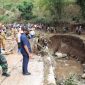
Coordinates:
(52,11)
(26,10)
(70,81)
(82,5)
(41,11)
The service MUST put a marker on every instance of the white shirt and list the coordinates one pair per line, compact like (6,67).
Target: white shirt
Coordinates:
(18,37)
(32,32)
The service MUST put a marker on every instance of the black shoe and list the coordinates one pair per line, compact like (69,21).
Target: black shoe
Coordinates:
(6,74)
(27,73)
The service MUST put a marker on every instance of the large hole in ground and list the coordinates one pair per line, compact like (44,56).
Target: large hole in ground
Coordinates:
(74,47)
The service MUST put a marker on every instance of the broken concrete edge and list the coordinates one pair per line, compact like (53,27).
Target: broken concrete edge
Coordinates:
(51,78)
(0,70)
(49,75)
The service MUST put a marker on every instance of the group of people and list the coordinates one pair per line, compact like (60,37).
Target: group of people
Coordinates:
(24,48)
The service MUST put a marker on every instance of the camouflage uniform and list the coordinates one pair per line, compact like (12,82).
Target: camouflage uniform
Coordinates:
(3,63)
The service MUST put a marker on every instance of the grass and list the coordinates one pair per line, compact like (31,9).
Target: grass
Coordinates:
(6,2)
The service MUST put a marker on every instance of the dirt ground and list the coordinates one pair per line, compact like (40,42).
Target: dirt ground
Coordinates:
(74,47)
(15,68)
(63,68)
(66,68)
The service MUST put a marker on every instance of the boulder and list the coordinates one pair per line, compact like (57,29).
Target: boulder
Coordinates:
(83,76)
(60,55)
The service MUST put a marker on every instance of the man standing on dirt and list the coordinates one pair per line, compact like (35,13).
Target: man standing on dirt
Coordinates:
(25,50)
(3,61)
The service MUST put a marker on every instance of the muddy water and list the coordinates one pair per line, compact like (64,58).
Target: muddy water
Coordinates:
(66,68)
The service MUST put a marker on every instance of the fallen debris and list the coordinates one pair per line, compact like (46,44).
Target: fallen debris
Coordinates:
(60,55)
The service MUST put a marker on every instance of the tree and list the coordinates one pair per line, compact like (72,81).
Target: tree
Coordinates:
(49,10)
(26,10)
(56,7)
(82,5)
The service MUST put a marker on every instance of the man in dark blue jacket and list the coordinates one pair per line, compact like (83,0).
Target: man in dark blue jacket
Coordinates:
(25,50)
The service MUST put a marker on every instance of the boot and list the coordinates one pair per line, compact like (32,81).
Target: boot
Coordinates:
(6,74)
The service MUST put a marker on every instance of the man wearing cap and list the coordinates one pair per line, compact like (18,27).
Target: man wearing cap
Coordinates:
(25,50)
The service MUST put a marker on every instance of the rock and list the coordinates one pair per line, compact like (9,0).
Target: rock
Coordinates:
(83,66)
(83,76)
(46,49)
(84,70)
(2,51)
(60,55)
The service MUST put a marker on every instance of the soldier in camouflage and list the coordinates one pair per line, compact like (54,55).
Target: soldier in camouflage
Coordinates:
(3,62)
(4,65)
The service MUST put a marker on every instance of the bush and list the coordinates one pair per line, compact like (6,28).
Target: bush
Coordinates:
(26,10)
(70,81)
(8,6)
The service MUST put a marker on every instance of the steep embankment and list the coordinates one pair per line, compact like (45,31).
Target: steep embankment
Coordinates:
(71,45)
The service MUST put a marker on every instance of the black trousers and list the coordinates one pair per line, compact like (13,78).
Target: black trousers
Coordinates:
(25,63)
